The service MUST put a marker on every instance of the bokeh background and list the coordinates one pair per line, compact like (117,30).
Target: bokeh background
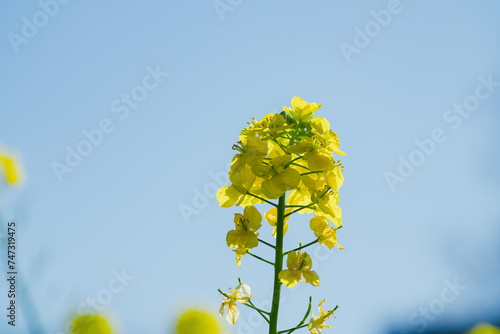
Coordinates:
(141,202)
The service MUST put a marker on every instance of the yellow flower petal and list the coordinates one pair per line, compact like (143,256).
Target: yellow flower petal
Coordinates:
(320,160)
(253,216)
(233,313)
(311,277)
(289,278)
(228,196)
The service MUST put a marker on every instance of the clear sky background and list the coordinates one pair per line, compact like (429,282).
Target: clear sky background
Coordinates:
(119,208)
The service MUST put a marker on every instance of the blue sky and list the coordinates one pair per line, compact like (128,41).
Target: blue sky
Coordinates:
(119,208)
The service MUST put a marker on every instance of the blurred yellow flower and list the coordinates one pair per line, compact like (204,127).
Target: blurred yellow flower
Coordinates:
(197,322)
(299,269)
(90,324)
(10,168)
(484,328)
(241,294)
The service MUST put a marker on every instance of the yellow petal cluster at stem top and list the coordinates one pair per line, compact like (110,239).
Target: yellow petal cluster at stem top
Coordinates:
(287,154)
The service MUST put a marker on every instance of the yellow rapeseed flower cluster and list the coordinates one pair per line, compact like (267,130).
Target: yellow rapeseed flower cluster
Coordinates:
(285,155)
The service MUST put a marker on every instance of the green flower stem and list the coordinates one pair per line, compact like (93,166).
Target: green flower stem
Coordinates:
(293,163)
(319,171)
(298,248)
(301,208)
(329,313)
(266,243)
(280,145)
(261,312)
(278,266)
(262,199)
(293,329)
(258,257)
(302,322)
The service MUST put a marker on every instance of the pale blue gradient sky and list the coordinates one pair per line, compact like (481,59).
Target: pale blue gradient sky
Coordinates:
(120,207)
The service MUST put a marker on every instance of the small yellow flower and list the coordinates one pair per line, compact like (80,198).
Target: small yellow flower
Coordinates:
(241,294)
(90,324)
(316,324)
(244,236)
(245,233)
(272,218)
(197,322)
(301,111)
(325,137)
(299,269)
(326,235)
(327,201)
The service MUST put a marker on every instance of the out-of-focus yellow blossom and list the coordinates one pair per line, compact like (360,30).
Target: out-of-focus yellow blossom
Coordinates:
(9,167)
(326,235)
(316,324)
(244,236)
(299,269)
(301,111)
(272,218)
(90,324)
(484,328)
(197,322)
(241,294)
